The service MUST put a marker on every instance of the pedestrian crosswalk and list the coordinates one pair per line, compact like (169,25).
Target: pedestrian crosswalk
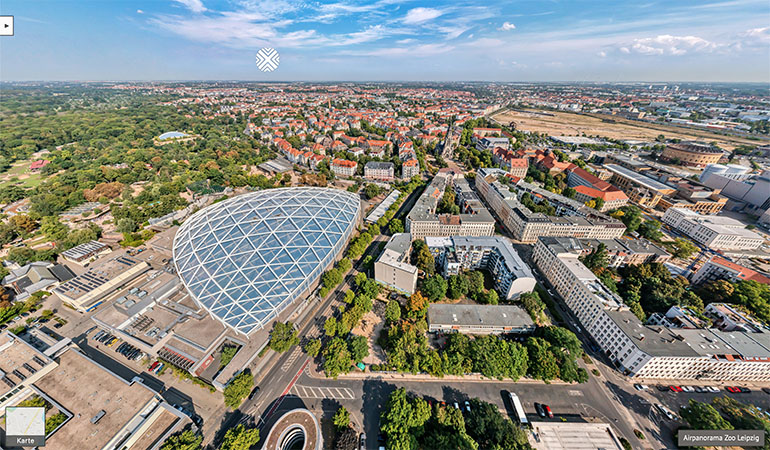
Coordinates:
(322,392)
(292,358)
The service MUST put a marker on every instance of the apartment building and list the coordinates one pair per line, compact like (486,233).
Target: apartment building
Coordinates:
(714,232)
(648,351)
(718,268)
(423,220)
(392,267)
(579,220)
(410,168)
(728,318)
(628,252)
(511,276)
(343,167)
(379,171)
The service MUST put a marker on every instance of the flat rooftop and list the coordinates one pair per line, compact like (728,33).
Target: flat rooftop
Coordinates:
(479,315)
(513,261)
(655,340)
(640,179)
(84,388)
(573,436)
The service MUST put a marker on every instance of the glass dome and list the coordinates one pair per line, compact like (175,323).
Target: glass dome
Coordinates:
(249,257)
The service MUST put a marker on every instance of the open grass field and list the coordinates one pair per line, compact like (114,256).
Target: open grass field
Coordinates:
(20,174)
(571,124)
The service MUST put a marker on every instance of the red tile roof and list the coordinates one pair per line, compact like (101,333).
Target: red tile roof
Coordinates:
(744,273)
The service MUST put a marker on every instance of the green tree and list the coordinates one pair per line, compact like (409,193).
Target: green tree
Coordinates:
(312,347)
(630,215)
(372,190)
(650,229)
(227,355)
(240,438)
(126,225)
(283,337)
(396,226)
(337,358)
(683,248)
(359,348)
(490,297)
(457,286)
(702,416)
(393,311)
(402,420)
(425,260)
(330,326)
(238,388)
(754,296)
(492,430)
(542,362)
(185,440)
(435,288)
(475,284)
(561,337)
(341,418)
(597,259)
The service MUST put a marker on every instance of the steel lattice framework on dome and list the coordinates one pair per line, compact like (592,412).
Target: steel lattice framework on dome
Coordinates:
(249,257)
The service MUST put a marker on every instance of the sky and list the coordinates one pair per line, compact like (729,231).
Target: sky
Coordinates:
(388,40)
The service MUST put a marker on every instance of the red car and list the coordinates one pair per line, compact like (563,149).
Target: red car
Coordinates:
(153,366)
(675,388)
(548,411)
(733,389)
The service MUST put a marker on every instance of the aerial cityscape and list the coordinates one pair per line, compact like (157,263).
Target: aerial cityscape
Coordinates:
(387,225)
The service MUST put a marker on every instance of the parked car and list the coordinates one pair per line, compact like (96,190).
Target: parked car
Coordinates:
(766,390)
(688,389)
(540,410)
(548,411)
(153,366)
(744,390)
(675,388)
(712,389)
(663,388)
(734,389)
(456,406)
(98,335)
(641,387)
(467,406)
(362,441)
(666,412)
(58,325)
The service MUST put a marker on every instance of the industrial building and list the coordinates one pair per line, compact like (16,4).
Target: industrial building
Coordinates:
(479,319)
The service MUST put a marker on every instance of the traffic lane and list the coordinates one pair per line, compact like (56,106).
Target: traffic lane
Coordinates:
(568,401)
(675,400)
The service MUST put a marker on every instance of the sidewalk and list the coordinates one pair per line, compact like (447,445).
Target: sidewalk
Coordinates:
(473,378)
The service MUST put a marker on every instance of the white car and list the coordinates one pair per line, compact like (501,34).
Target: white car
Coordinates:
(688,388)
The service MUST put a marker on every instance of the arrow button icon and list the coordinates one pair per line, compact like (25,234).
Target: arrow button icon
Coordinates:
(7,28)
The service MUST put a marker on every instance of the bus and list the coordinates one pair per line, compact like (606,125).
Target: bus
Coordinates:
(518,408)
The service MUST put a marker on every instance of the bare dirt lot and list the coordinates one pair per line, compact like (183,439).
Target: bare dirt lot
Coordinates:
(556,123)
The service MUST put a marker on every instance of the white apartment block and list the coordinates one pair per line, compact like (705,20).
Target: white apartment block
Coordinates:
(715,232)
(527,226)
(423,220)
(410,168)
(511,276)
(343,167)
(648,351)
(392,267)
(374,170)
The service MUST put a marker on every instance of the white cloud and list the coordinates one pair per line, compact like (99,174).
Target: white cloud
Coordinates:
(666,44)
(421,15)
(139,11)
(602,54)
(370,34)
(507,26)
(195,6)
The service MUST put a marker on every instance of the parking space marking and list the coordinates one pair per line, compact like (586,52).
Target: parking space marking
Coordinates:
(574,393)
(322,392)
